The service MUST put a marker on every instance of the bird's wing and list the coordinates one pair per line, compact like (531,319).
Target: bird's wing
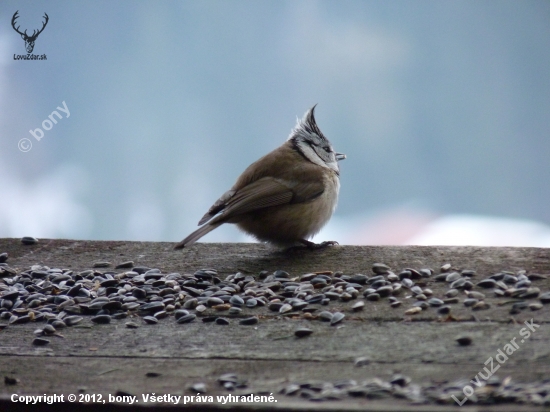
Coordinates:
(217,207)
(262,193)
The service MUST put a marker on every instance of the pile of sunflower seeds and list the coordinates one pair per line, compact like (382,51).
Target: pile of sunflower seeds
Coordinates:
(62,297)
(494,390)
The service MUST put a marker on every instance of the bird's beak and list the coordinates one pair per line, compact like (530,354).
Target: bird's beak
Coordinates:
(340,156)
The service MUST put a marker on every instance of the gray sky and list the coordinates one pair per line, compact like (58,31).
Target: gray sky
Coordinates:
(441,107)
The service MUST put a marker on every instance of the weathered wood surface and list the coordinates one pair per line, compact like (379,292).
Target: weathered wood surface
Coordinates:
(104,359)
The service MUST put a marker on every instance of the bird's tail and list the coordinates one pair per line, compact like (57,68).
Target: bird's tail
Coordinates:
(196,235)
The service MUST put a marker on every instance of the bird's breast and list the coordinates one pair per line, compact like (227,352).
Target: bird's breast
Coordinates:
(288,223)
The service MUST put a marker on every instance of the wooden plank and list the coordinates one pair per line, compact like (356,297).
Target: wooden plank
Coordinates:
(103,359)
(97,375)
(252,258)
(273,339)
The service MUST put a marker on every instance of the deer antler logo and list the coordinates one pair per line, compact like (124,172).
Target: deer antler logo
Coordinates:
(29,40)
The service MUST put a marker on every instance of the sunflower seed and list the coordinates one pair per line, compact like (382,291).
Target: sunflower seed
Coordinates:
(285,308)
(443,310)
(518,307)
(251,303)
(481,305)
(380,268)
(275,306)
(359,305)
(464,340)
(446,267)
(125,265)
(435,302)
(373,297)
(535,306)
(325,316)
(72,320)
(451,277)
(186,318)
(236,301)
(222,321)
(458,284)
(29,240)
(451,293)
(545,297)
(413,310)
(249,321)
(101,319)
(302,332)
(487,283)
(198,388)
(470,302)
(530,293)
(40,342)
(337,318)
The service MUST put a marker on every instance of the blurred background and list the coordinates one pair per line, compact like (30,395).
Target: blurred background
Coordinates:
(443,109)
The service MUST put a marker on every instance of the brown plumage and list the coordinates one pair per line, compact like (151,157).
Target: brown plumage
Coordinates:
(284,197)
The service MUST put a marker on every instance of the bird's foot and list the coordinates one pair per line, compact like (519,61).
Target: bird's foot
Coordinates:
(313,246)
(322,245)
